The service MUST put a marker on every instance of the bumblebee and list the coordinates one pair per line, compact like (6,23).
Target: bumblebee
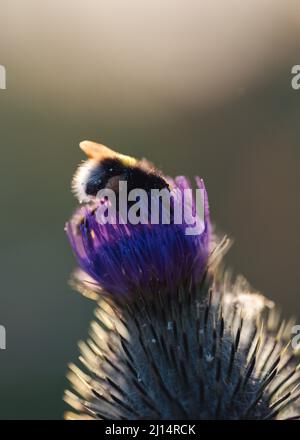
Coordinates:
(105,168)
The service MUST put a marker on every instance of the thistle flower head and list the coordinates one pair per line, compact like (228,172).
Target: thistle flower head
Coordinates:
(126,258)
(189,344)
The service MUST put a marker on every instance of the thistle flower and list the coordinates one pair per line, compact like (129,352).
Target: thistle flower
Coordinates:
(126,258)
(174,337)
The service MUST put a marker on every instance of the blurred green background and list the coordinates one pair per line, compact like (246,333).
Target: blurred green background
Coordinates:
(197,87)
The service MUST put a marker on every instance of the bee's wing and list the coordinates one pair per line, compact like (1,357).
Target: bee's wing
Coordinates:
(99,152)
(96,151)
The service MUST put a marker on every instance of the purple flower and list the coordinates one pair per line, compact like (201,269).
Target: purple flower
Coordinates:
(206,348)
(124,259)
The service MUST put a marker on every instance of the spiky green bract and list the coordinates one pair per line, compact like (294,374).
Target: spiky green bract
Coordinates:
(216,351)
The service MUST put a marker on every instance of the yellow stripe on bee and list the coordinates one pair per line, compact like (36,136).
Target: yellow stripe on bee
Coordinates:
(127,161)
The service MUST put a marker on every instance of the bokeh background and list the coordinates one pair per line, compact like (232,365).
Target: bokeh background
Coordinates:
(197,86)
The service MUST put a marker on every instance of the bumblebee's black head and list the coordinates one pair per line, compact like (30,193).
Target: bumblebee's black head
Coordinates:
(101,174)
